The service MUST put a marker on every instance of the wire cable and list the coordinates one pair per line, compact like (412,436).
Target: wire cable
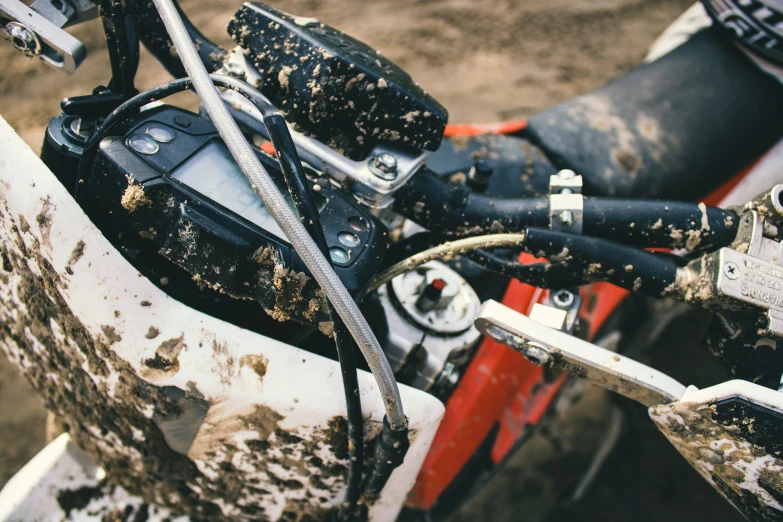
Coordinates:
(574,260)
(451,248)
(597,259)
(307,209)
(320,267)
(455,210)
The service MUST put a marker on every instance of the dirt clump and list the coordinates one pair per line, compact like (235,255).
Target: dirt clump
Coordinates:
(134,196)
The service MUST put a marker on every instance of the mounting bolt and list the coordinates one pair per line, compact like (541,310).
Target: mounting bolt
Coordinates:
(567,174)
(566,217)
(536,354)
(479,175)
(563,299)
(23,38)
(731,270)
(384,165)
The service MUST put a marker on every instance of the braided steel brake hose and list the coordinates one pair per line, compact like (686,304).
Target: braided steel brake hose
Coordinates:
(278,207)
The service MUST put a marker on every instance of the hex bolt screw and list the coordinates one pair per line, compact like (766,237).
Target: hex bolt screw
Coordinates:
(23,38)
(536,354)
(384,165)
(566,217)
(563,299)
(731,270)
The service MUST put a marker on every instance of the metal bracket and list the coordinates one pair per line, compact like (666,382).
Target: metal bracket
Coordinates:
(34,35)
(373,180)
(748,276)
(565,182)
(544,345)
(59,15)
(566,203)
(569,302)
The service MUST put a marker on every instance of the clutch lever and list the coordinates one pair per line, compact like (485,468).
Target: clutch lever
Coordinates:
(731,433)
(543,344)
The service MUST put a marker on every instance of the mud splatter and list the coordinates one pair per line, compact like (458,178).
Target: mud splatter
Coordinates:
(289,295)
(111,334)
(257,362)
(739,470)
(77,253)
(166,356)
(134,196)
(44,220)
(152,333)
(87,395)
(224,362)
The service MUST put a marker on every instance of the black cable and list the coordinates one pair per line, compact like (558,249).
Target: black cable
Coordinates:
(392,444)
(540,274)
(156,39)
(573,260)
(602,260)
(307,208)
(651,223)
(456,211)
(120,46)
(308,211)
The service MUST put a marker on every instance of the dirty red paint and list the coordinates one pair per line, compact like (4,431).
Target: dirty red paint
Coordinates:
(473,129)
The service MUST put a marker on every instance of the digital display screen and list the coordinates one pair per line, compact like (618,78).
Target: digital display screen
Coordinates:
(213,173)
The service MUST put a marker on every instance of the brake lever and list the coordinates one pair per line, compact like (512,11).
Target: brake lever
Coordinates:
(731,433)
(543,344)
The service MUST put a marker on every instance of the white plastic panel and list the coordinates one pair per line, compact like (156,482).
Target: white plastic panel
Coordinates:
(244,414)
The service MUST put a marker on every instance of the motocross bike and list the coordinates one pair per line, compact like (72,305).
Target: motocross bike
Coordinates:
(187,289)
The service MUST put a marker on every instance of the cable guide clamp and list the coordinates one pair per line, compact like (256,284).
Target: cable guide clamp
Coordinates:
(566,203)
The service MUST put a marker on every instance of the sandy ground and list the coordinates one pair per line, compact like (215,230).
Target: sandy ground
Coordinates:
(485,61)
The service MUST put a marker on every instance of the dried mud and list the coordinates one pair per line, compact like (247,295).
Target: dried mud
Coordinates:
(486,61)
(142,440)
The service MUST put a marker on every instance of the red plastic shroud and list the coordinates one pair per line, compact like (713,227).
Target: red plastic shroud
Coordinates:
(500,386)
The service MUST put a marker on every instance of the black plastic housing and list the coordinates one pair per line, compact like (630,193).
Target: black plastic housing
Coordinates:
(334,87)
(62,149)
(217,247)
